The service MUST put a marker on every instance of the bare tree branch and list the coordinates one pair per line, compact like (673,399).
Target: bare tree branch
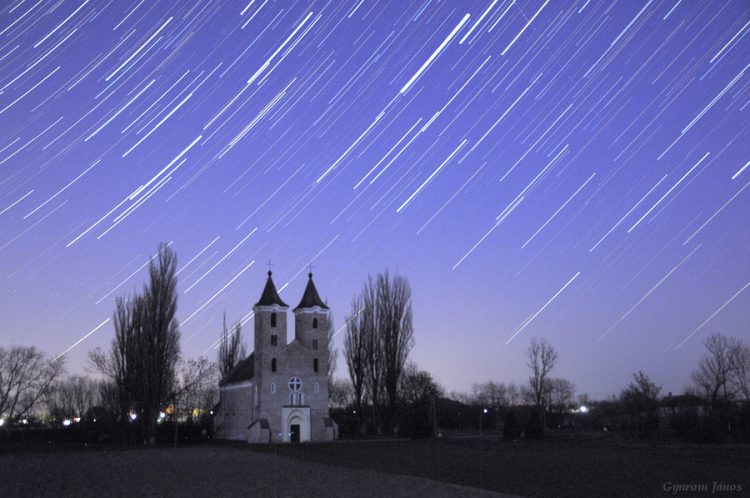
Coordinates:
(26,378)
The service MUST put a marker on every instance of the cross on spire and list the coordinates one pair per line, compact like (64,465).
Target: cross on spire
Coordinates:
(310,268)
(269,265)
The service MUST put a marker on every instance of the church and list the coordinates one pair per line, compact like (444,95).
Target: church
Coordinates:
(280,391)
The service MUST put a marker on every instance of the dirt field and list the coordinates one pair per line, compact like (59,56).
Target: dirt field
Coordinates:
(199,471)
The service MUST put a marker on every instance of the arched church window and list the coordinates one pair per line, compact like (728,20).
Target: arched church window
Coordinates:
(317,387)
(273,319)
(315,365)
(273,387)
(315,323)
(274,340)
(295,396)
(315,344)
(273,364)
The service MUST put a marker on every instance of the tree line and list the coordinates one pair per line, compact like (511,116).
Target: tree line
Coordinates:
(143,375)
(379,337)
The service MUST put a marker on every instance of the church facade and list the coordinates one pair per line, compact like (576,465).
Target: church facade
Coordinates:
(280,391)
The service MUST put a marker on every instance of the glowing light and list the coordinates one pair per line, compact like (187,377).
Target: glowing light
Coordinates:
(67,422)
(583,409)
(133,415)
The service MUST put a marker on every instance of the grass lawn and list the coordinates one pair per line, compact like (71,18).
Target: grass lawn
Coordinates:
(556,466)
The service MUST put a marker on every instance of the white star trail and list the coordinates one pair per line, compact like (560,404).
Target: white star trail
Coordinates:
(532,317)
(82,339)
(712,315)
(435,54)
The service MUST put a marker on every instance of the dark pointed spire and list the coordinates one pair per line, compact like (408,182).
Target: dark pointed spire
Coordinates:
(270,296)
(311,298)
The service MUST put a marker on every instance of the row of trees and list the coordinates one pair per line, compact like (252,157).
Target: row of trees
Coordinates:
(379,336)
(711,406)
(545,395)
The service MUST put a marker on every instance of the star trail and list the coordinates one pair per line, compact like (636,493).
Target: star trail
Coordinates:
(570,170)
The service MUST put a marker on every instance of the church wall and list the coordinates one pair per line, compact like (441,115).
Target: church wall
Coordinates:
(300,364)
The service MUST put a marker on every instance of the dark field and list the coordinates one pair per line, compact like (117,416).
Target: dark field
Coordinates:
(200,471)
(557,466)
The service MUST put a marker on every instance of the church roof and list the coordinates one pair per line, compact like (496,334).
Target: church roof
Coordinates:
(311,298)
(244,370)
(270,296)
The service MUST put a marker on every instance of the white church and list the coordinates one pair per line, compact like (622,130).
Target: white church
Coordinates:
(280,391)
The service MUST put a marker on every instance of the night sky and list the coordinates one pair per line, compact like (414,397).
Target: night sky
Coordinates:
(576,171)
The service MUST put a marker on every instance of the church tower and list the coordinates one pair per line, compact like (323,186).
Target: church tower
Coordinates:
(311,325)
(311,319)
(270,332)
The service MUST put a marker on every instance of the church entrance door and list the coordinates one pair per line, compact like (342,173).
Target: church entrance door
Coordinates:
(294,433)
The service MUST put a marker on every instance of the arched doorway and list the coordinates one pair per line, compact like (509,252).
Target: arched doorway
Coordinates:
(297,425)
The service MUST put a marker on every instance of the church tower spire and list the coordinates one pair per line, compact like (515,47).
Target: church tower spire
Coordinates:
(311,298)
(270,296)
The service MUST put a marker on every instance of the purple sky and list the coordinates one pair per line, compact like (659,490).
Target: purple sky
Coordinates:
(567,170)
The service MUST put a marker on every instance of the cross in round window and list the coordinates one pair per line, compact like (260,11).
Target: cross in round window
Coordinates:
(295,384)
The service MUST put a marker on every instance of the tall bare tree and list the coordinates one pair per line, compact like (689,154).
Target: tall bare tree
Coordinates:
(146,347)
(379,338)
(740,361)
(120,364)
(395,320)
(370,328)
(542,358)
(713,378)
(231,348)
(26,377)
(354,354)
